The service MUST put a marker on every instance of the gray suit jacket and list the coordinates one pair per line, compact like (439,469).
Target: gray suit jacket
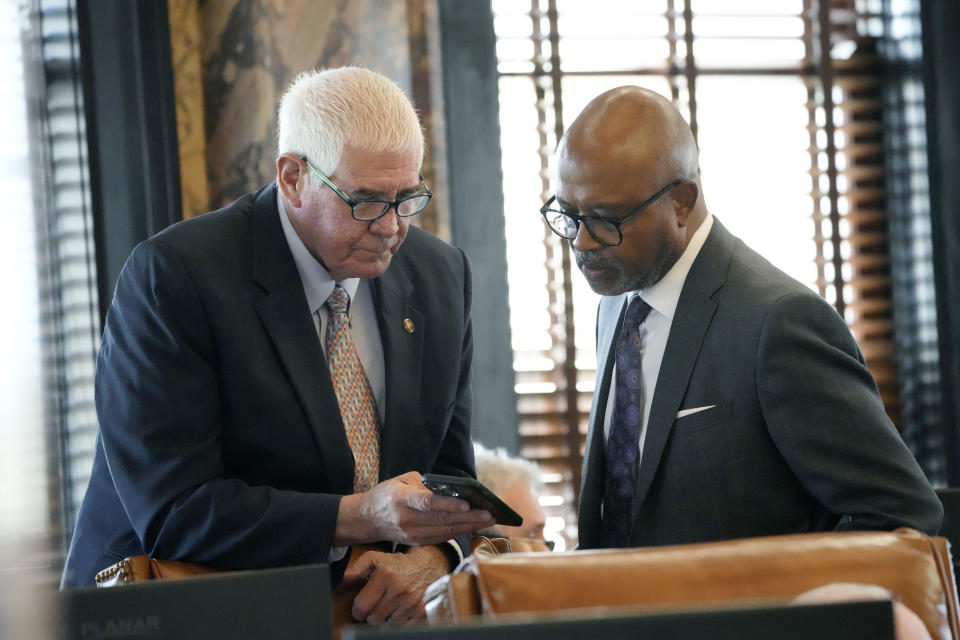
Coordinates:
(220,437)
(798,440)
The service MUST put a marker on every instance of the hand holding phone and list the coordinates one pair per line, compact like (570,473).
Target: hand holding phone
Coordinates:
(402,510)
(474,493)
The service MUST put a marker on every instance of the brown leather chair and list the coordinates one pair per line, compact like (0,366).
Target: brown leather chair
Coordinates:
(914,567)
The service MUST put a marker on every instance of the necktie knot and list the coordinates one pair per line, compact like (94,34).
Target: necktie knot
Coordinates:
(637,312)
(339,300)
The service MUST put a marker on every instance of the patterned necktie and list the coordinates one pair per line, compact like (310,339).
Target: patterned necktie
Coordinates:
(357,405)
(621,456)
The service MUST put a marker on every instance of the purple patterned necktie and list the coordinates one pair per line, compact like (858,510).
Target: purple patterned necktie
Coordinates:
(357,405)
(621,456)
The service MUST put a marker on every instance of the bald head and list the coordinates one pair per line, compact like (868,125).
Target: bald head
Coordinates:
(629,160)
(631,131)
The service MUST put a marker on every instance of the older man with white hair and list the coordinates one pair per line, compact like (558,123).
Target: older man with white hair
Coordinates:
(274,376)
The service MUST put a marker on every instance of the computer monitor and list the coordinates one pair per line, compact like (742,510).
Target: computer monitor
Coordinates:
(292,603)
(843,621)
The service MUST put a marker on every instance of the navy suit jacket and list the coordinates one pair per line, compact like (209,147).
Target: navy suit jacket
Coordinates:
(798,439)
(220,440)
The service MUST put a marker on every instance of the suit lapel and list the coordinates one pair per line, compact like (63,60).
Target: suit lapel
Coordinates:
(591,488)
(402,358)
(294,336)
(695,310)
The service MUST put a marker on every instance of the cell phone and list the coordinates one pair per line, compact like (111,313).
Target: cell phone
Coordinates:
(473,492)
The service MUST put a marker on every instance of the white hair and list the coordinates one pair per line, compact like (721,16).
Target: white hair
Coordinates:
(499,471)
(325,110)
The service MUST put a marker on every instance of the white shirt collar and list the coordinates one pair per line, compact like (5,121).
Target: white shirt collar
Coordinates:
(317,283)
(664,295)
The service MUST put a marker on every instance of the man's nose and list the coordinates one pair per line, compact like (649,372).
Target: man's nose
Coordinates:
(583,241)
(386,225)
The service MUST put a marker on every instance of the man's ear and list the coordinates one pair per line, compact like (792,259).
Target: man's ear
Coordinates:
(290,177)
(685,196)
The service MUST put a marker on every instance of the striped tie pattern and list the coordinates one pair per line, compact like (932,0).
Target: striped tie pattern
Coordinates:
(357,405)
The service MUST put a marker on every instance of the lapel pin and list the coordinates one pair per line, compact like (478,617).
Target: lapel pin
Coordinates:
(408,325)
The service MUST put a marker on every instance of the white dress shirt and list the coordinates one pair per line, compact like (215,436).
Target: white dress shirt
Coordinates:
(662,298)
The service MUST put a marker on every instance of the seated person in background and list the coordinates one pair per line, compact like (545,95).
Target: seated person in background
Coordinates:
(517,482)
(907,625)
(274,376)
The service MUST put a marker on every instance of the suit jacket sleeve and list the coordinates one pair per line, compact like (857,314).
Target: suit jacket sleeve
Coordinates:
(824,412)
(159,406)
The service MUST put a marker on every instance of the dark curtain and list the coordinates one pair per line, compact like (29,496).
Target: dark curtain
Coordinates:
(916,242)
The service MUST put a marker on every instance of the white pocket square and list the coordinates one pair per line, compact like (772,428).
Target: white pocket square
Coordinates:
(687,412)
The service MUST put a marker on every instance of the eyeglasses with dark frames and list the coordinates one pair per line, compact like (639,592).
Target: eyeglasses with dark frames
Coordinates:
(606,231)
(368,210)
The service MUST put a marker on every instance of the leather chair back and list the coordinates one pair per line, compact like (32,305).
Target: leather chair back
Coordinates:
(915,568)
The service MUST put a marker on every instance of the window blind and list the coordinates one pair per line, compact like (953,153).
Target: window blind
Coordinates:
(56,319)
(22,474)
(72,317)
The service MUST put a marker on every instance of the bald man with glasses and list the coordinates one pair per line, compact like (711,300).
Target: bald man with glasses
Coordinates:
(731,401)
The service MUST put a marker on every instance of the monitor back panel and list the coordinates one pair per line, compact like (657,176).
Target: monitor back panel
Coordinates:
(846,621)
(291,603)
